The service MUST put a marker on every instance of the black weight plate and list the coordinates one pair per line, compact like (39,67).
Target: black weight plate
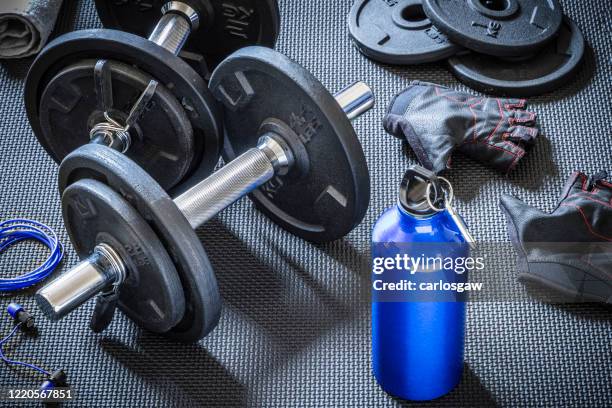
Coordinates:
(172,72)
(324,199)
(549,69)
(151,294)
(225,25)
(161,142)
(503,28)
(202,298)
(397,32)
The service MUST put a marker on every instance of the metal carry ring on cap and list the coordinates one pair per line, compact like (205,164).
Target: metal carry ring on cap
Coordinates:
(448,206)
(449,198)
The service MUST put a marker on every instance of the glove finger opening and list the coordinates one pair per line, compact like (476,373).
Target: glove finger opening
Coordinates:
(511,104)
(523,117)
(522,134)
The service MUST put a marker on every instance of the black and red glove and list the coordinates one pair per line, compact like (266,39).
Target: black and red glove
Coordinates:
(570,250)
(436,120)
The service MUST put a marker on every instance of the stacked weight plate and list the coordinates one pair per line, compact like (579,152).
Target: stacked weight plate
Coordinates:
(508,47)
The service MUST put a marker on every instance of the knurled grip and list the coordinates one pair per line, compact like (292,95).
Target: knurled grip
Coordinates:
(237,178)
(171,32)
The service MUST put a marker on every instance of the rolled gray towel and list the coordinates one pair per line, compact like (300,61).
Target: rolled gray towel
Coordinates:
(25,26)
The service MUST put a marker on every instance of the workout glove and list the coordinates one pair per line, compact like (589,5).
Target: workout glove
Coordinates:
(570,250)
(436,120)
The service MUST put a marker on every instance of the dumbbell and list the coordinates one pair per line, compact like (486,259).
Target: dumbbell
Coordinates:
(308,164)
(233,24)
(135,94)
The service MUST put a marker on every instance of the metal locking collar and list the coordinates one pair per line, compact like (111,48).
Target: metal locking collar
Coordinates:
(112,133)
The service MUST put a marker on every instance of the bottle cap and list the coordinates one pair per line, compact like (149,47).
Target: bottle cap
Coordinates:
(413,191)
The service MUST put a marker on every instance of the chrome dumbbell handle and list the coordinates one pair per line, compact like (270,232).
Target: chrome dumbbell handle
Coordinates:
(257,166)
(175,26)
(100,270)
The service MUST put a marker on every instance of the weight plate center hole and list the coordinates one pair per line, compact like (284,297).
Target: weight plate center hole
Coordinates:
(496,5)
(413,13)
(499,9)
(411,16)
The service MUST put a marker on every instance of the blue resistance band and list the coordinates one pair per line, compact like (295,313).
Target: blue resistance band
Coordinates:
(14,231)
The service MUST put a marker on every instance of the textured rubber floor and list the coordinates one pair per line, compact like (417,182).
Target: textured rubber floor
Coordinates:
(295,330)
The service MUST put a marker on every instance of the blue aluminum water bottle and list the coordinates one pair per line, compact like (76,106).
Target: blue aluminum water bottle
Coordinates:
(418,337)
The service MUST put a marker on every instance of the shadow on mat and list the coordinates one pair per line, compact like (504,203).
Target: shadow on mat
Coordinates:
(17,68)
(572,304)
(470,393)
(588,311)
(178,370)
(584,77)
(349,258)
(537,165)
(287,302)
(66,19)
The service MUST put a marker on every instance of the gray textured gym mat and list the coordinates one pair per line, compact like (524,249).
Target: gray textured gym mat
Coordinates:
(295,328)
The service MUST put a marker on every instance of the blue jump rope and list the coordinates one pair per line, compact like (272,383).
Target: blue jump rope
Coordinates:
(12,232)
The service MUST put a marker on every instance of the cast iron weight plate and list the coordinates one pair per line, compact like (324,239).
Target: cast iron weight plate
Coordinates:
(225,25)
(397,32)
(152,294)
(327,193)
(503,28)
(202,298)
(162,140)
(170,71)
(546,71)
